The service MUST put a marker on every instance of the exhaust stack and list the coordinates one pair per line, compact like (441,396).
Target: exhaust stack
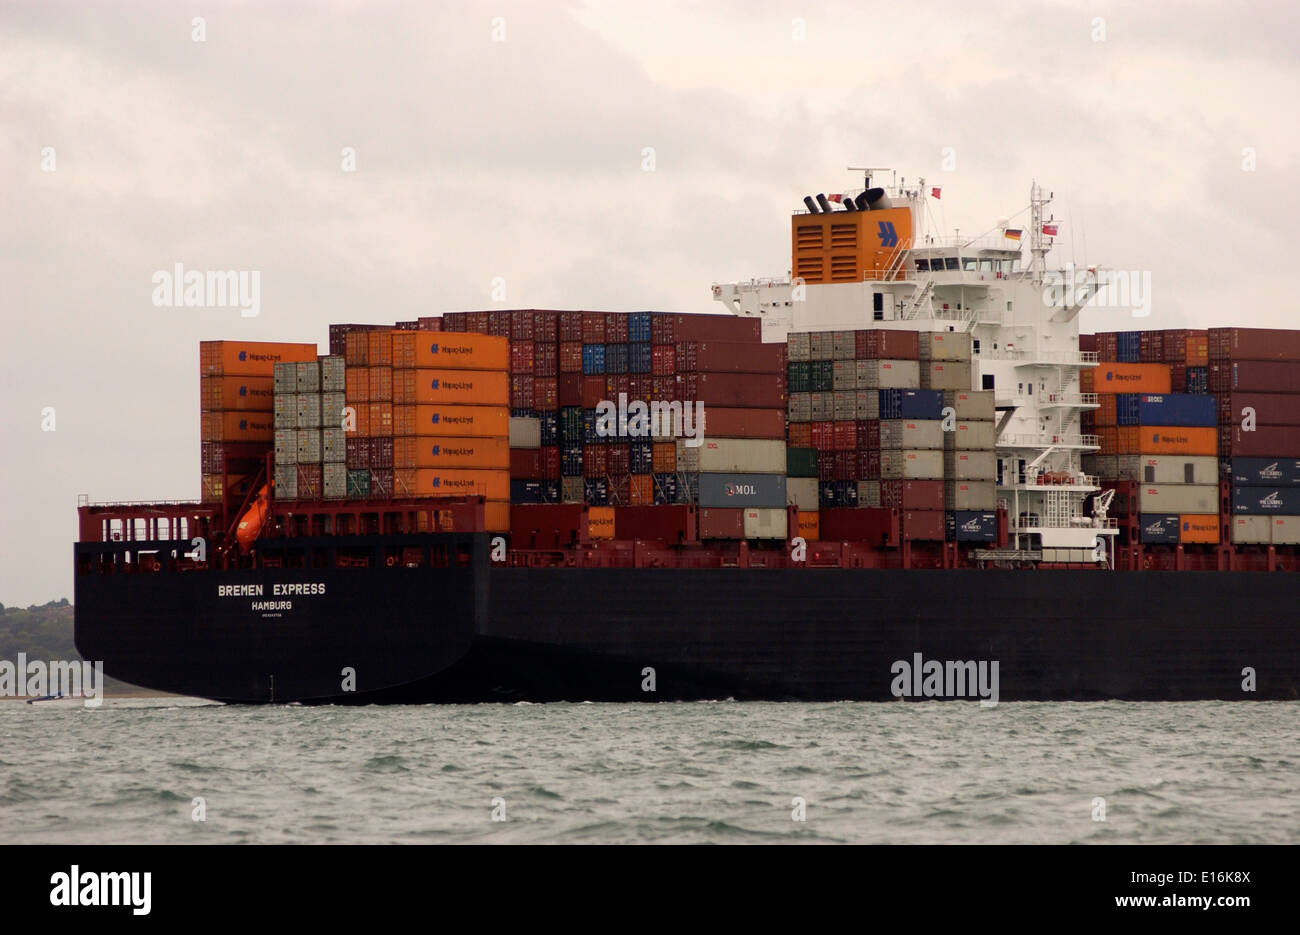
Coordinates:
(876,199)
(826,205)
(812,206)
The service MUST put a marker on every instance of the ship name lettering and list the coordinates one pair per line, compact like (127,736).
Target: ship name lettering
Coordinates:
(281,590)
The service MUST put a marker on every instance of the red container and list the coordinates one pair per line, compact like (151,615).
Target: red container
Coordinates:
(639,386)
(1264,376)
(545,359)
(550,462)
(844,436)
(684,356)
(844,465)
(569,327)
(570,357)
(868,434)
(381,483)
(729,357)
(381,452)
(923,525)
(1267,441)
(546,395)
(499,323)
(521,391)
(821,434)
(663,388)
(825,465)
(618,383)
(1173,349)
(641,490)
(453,321)
(357,453)
(1107,346)
(620,489)
(310,482)
(619,458)
(570,389)
(546,327)
(548,526)
(718,523)
(428,323)
(1151,347)
(521,356)
(879,344)
(662,360)
(476,323)
(714,328)
(799,434)
(521,325)
(1088,342)
(1178,378)
(595,460)
(1270,408)
(662,331)
(668,524)
(1254,344)
(871,525)
(757,391)
(593,392)
(727,422)
(526,463)
(912,494)
(615,328)
(593,327)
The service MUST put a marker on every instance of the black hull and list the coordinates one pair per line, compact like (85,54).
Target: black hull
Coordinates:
(514,634)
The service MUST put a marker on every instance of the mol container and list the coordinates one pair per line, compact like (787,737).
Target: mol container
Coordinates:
(972,526)
(1158,528)
(742,491)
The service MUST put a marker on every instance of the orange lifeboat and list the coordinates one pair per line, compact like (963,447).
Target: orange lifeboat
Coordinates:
(251,523)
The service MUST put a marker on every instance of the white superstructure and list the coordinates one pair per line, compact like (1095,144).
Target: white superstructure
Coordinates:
(1025,347)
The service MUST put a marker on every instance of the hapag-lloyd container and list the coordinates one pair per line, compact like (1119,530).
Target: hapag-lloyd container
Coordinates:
(970,435)
(742,490)
(1166,469)
(440,482)
(236,426)
(960,464)
(970,495)
(809,525)
(1266,472)
(249,358)
(1131,378)
(454,387)
(1178,498)
(889,374)
(1158,528)
(450,351)
(765,523)
(911,433)
(1170,440)
(1267,408)
(945,375)
(969,405)
(1198,528)
(244,394)
(1263,501)
(424,452)
(911,464)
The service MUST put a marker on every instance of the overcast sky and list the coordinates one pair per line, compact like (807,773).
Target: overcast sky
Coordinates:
(523,159)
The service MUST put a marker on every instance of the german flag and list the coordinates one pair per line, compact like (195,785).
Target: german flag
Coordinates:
(1011,234)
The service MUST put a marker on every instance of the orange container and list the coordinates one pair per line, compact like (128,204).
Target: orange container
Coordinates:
(448,350)
(379,384)
(1106,410)
(663,456)
(1198,351)
(356,348)
(1166,440)
(600,522)
(380,419)
(461,421)
(496,516)
(1131,378)
(1195,527)
(236,427)
(379,348)
(799,435)
(249,358)
(809,525)
(245,394)
(467,387)
(359,413)
(447,482)
(1108,439)
(357,384)
(641,491)
(436,452)
(1087,381)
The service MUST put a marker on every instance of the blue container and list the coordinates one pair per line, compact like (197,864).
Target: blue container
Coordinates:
(638,328)
(1182,409)
(1158,529)
(1266,472)
(550,427)
(523,414)
(641,458)
(760,491)
(589,434)
(1128,347)
(593,359)
(833,493)
(1265,501)
(571,460)
(972,526)
(526,491)
(616,358)
(665,486)
(639,358)
(1198,380)
(595,491)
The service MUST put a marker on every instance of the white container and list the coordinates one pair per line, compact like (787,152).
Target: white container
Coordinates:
(945,345)
(286,410)
(1251,530)
(844,345)
(1178,498)
(846,405)
(911,433)
(911,464)
(1167,469)
(285,380)
(732,456)
(868,493)
(525,433)
(334,445)
(971,404)
(331,410)
(823,406)
(970,495)
(797,346)
(802,492)
(765,524)
(844,375)
(970,465)
(286,481)
(945,375)
(335,480)
(286,447)
(799,408)
(970,436)
(868,404)
(889,374)
(1285,530)
(333,375)
(309,446)
(309,410)
(821,345)
(309,376)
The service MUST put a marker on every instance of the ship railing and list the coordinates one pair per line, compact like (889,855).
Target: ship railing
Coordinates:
(1049,440)
(754,285)
(1046,357)
(1072,399)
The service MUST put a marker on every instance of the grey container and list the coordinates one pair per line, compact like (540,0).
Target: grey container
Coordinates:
(945,345)
(801,492)
(911,464)
(868,404)
(1167,469)
(844,375)
(309,447)
(333,375)
(1251,530)
(286,481)
(1178,498)
(889,374)
(821,345)
(331,410)
(799,407)
(797,346)
(309,410)
(733,456)
(742,490)
(843,345)
(571,489)
(1106,466)
(845,407)
(286,410)
(970,435)
(334,448)
(868,493)
(286,378)
(309,376)
(960,464)
(286,447)
(970,495)
(823,406)
(971,404)
(1284,530)
(945,375)
(335,480)
(525,433)
(911,433)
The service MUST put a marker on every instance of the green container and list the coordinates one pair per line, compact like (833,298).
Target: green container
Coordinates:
(822,376)
(801,462)
(571,424)
(799,376)
(358,484)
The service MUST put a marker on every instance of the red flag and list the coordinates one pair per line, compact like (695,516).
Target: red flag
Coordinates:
(1049,230)
(835,198)
(934,192)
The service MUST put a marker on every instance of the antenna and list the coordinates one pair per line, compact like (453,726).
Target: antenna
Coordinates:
(866,172)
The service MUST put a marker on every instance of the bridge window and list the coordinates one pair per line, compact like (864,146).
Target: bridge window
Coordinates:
(986,265)
(923,266)
(951,263)
(968,263)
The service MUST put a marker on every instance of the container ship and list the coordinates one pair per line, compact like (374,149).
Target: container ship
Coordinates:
(902,455)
